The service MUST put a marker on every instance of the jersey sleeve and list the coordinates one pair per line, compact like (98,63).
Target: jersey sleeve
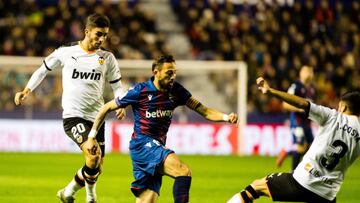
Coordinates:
(49,63)
(54,60)
(113,74)
(131,97)
(320,114)
(182,94)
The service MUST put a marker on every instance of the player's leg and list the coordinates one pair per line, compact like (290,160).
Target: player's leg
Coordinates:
(251,192)
(281,157)
(78,129)
(284,153)
(147,155)
(281,187)
(71,129)
(147,196)
(173,167)
(91,172)
(93,163)
(300,146)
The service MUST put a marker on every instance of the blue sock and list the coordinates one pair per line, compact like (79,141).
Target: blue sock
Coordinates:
(181,189)
(296,160)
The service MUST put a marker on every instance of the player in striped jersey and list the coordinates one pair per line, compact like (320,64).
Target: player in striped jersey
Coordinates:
(85,68)
(153,103)
(300,125)
(318,177)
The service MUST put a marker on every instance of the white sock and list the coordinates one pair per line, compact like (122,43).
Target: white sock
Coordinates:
(73,186)
(90,191)
(235,199)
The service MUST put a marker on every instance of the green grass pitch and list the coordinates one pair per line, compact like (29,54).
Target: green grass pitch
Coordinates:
(35,177)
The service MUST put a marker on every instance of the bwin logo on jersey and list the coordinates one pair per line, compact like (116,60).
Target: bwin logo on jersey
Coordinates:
(86,75)
(159,114)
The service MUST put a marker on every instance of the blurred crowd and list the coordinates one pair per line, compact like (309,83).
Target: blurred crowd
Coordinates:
(275,40)
(37,27)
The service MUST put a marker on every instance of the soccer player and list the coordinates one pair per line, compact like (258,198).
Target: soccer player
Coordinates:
(318,177)
(300,125)
(85,67)
(153,103)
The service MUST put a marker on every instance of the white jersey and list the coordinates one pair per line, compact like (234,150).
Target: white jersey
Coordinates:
(334,149)
(83,78)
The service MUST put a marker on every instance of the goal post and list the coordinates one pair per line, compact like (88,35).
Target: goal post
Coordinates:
(195,74)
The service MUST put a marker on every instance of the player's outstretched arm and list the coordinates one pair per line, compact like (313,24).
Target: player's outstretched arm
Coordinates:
(91,144)
(100,117)
(117,88)
(289,107)
(21,96)
(293,100)
(209,113)
(34,81)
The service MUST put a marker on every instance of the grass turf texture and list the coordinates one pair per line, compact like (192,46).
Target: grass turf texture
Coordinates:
(33,178)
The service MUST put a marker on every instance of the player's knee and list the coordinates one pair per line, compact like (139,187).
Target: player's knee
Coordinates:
(147,196)
(184,170)
(258,182)
(93,161)
(249,194)
(260,186)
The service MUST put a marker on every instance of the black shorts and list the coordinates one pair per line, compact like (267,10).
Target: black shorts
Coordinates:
(284,188)
(78,130)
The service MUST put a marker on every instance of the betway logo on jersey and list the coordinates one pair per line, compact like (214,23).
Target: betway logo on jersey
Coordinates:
(159,114)
(86,75)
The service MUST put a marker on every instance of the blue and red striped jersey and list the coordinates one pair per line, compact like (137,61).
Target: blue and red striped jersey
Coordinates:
(309,93)
(152,108)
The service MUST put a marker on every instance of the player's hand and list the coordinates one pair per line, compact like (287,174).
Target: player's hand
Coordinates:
(120,113)
(21,96)
(263,86)
(91,146)
(233,118)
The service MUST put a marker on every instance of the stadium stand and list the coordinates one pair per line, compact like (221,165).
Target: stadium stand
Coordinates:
(276,39)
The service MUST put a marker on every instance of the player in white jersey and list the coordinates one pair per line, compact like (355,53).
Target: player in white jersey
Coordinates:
(319,176)
(85,68)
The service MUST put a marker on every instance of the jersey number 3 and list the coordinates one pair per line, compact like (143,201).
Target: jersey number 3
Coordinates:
(334,158)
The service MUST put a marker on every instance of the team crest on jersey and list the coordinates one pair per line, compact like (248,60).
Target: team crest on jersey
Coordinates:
(79,139)
(150,97)
(308,166)
(148,145)
(101,60)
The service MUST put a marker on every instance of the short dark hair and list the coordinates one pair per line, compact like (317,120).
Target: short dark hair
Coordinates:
(352,99)
(97,20)
(159,61)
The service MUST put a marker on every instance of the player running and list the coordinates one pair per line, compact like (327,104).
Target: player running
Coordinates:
(318,177)
(153,103)
(85,67)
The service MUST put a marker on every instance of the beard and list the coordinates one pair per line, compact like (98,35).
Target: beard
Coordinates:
(94,44)
(166,86)
(97,45)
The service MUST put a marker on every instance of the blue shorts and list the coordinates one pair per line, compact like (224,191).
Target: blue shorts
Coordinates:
(146,155)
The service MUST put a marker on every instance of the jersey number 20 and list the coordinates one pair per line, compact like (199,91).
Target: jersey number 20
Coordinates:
(334,157)
(79,128)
